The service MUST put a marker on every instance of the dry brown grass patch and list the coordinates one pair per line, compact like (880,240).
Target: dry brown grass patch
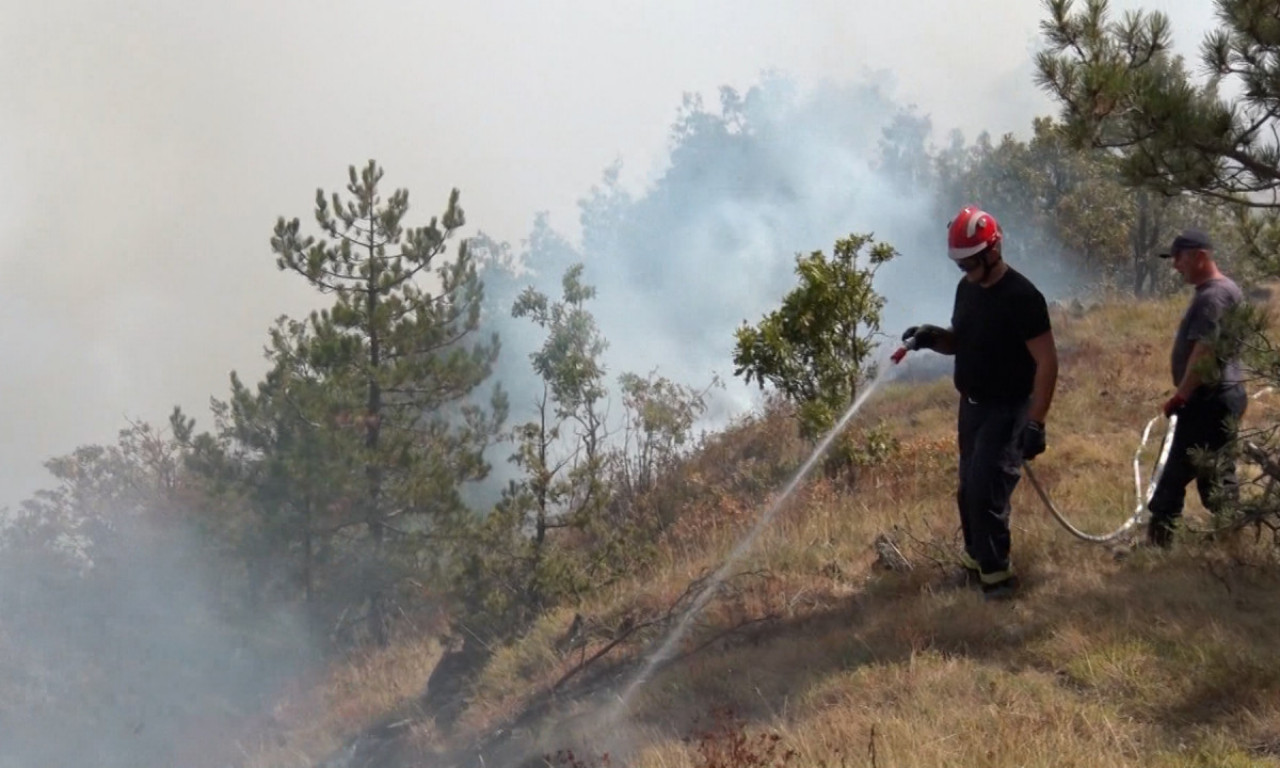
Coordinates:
(368,686)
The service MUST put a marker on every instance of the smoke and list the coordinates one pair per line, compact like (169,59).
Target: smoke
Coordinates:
(120,646)
(147,147)
(135,653)
(710,242)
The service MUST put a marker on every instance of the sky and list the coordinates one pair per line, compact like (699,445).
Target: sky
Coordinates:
(147,147)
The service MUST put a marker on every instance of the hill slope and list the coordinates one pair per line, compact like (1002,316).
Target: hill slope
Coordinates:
(813,652)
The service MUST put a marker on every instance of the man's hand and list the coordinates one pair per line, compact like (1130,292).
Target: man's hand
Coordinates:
(924,336)
(1173,405)
(1031,441)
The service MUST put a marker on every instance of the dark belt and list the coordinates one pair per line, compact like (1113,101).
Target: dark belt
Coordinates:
(994,400)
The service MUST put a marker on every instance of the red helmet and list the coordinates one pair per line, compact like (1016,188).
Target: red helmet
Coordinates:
(972,231)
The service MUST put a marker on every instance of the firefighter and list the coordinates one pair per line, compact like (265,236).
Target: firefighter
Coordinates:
(1006,369)
(1209,398)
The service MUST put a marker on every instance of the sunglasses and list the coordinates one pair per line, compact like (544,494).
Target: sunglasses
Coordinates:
(970,263)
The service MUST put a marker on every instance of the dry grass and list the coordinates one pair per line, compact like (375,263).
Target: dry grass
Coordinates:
(316,718)
(1159,659)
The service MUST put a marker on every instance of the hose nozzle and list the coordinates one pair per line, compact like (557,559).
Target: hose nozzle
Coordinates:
(907,346)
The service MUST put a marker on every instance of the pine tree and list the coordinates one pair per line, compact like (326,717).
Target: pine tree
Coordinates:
(398,339)
(1122,88)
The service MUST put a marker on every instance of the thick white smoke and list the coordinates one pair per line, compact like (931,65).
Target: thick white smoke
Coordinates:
(710,242)
(126,641)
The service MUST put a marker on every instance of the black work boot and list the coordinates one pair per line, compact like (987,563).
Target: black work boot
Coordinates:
(1160,532)
(1005,589)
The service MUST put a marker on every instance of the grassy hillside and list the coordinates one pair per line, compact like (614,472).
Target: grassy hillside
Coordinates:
(814,653)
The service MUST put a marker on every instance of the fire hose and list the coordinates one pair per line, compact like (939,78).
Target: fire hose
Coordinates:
(1142,499)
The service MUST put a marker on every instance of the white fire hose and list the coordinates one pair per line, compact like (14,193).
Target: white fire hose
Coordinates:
(1142,499)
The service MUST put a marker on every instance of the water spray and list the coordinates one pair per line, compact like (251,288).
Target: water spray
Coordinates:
(667,649)
(668,646)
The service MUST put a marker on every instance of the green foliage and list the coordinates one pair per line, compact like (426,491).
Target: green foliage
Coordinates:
(659,417)
(1066,208)
(565,487)
(101,491)
(490,586)
(115,569)
(814,348)
(569,360)
(350,455)
(289,456)
(1121,88)
(404,347)
(1251,249)
(872,447)
(574,520)
(516,566)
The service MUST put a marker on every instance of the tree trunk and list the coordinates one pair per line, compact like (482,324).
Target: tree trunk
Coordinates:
(307,553)
(541,493)
(373,470)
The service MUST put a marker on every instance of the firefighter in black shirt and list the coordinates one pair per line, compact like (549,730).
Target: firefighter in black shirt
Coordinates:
(1006,370)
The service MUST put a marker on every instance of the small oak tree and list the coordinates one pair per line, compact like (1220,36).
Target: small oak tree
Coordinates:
(814,348)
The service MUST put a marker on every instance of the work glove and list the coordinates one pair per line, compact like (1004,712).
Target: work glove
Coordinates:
(1173,405)
(925,336)
(1031,442)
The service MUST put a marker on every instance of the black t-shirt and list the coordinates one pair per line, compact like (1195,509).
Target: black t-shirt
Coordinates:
(992,327)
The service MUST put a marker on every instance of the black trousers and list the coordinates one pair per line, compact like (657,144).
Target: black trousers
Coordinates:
(1206,422)
(990,467)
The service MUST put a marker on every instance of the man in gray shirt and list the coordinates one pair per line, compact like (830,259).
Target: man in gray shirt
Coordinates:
(1209,398)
